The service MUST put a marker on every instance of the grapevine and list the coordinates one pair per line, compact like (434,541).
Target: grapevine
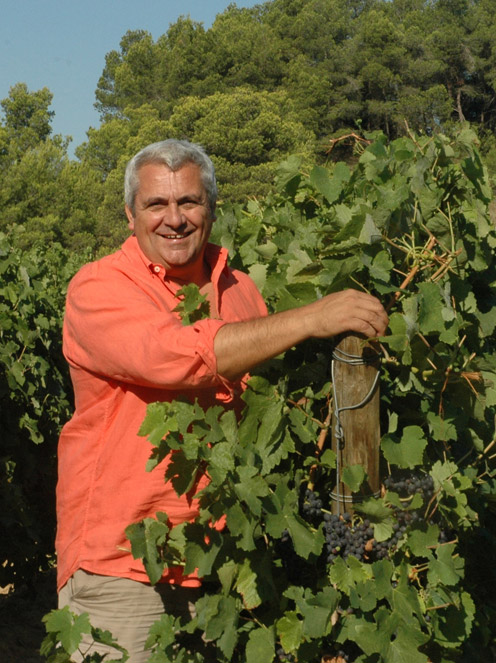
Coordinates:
(35,401)
(407,576)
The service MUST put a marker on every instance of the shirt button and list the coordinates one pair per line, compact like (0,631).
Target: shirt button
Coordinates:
(156,269)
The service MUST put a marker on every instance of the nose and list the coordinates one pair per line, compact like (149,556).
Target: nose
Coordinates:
(173,217)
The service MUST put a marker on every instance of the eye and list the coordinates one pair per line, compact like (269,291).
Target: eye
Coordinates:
(189,204)
(155,205)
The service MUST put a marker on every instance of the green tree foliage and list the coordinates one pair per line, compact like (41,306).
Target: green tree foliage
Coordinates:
(247,51)
(184,60)
(339,64)
(377,58)
(245,132)
(128,77)
(312,35)
(380,51)
(51,197)
(27,118)
(283,77)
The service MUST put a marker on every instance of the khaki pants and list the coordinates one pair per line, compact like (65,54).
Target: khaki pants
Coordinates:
(124,607)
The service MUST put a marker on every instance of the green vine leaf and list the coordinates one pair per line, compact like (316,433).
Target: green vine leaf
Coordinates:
(193,306)
(147,538)
(408,452)
(260,646)
(67,627)
(353,477)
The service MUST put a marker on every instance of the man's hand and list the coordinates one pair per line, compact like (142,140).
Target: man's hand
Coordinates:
(348,310)
(240,346)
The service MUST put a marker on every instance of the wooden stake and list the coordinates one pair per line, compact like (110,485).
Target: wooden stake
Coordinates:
(361,426)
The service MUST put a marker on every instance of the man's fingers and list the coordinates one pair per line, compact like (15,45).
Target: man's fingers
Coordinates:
(352,310)
(378,321)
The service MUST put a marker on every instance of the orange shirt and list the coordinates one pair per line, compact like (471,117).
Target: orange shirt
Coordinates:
(126,348)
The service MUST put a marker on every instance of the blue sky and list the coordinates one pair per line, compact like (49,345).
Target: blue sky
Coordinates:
(61,44)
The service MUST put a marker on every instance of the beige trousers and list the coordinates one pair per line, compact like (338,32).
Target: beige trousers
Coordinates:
(124,607)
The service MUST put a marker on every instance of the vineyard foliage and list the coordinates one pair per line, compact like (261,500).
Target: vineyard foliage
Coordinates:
(409,223)
(35,401)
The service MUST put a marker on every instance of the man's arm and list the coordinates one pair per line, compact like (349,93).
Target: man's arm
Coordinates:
(240,346)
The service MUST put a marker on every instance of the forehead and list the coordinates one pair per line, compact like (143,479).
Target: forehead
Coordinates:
(159,177)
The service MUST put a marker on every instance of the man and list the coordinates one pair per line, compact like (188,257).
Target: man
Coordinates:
(127,348)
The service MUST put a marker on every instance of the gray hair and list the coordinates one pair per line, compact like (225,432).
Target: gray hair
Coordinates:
(174,154)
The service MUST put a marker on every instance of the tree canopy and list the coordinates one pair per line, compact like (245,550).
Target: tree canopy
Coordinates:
(283,77)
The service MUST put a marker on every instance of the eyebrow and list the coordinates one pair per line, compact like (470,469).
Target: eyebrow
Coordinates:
(190,197)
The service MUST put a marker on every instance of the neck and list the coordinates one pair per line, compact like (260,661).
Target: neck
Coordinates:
(199,273)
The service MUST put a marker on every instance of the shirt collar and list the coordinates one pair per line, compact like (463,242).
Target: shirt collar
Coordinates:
(216,257)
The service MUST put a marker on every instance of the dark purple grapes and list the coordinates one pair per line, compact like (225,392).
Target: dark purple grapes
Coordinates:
(411,484)
(283,656)
(347,535)
(311,507)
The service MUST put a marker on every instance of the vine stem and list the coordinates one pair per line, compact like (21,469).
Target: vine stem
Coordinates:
(320,444)
(358,139)
(428,513)
(438,607)
(297,405)
(484,453)
(411,274)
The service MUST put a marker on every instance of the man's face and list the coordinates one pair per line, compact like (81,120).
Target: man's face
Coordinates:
(172,218)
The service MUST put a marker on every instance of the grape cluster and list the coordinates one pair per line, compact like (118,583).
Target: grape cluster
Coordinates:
(311,508)
(345,536)
(411,484)
(342,653)
(284,657)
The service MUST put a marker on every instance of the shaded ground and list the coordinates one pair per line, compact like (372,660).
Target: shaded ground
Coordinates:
(21,628)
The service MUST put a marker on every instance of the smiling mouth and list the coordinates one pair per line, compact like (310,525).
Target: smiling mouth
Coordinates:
(177,235)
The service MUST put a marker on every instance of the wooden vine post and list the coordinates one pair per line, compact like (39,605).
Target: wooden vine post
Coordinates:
(355,432)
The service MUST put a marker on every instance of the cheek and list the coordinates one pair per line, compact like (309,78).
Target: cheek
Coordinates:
(147,224)
(207,225)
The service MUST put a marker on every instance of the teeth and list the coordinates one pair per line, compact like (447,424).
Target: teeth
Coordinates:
(175,236)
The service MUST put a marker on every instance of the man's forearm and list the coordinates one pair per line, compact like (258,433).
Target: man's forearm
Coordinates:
(240,346)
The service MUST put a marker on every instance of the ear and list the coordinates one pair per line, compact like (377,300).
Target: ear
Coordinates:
(130,218)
